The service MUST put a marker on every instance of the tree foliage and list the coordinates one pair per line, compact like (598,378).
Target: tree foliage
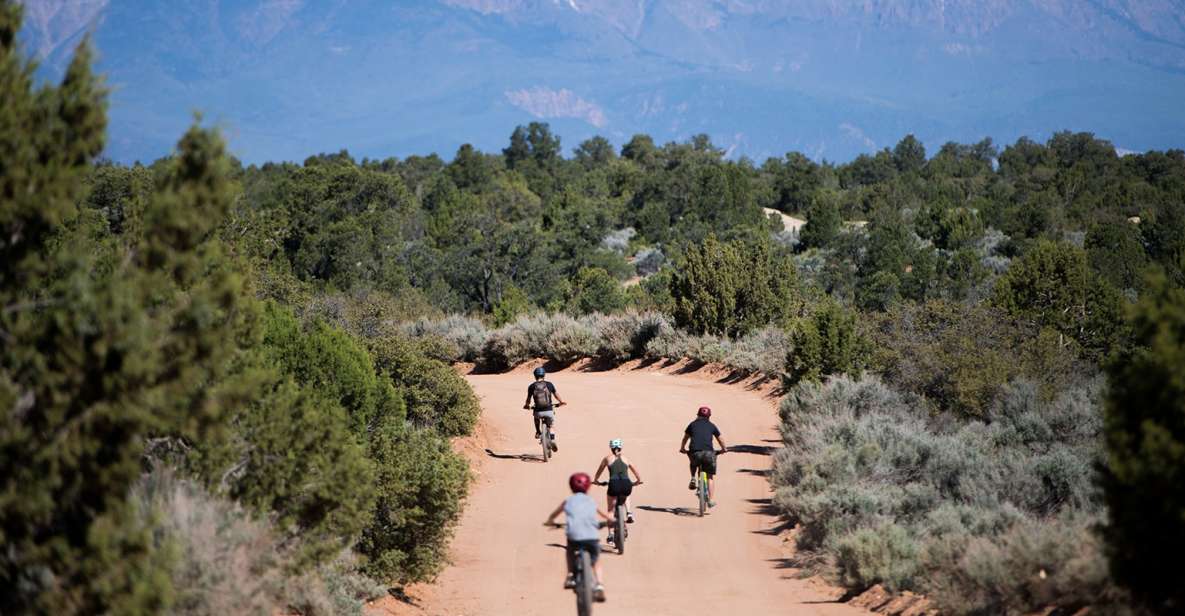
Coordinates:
(732,288)
(1145,437)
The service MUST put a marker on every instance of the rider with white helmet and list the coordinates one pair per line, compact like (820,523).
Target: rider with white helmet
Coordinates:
(620,485)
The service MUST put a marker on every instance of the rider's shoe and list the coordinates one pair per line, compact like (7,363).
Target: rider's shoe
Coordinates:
(691,484)
(612,538)
(629,518)
(570,582)
(599,594)
(538,435)
(554,447)
(711,504)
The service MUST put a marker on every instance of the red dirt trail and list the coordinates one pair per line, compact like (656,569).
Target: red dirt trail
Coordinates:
(730,562)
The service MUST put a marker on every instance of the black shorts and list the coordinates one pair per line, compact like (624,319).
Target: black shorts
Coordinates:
(704,460)
(620,486)
(593,547)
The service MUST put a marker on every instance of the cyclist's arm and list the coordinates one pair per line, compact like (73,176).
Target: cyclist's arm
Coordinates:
(527,404)
(555,514)
(683,445)
(721,441)
(557,396)
(601,469)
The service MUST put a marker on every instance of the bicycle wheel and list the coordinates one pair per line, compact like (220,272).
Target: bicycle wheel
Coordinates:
(584,585)
(545,439)
(619,528)
(703,494)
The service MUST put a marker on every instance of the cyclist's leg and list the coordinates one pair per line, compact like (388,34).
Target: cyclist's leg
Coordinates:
(537,433)
(611,501)
(594,551)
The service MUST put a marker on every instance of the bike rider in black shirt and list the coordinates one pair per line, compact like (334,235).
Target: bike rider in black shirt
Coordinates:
(702,456)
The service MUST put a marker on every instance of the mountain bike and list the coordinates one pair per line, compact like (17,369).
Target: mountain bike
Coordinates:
(620,530)
(586,581)
(702,488)
(546,436)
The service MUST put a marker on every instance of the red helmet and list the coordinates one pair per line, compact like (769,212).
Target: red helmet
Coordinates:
(579,482)
(704,412)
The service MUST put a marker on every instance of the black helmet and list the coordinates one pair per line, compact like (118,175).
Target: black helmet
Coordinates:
(540,372)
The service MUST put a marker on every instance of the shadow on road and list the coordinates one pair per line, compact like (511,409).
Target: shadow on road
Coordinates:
(679,511)
(760,450)
(523,457)
(754,471)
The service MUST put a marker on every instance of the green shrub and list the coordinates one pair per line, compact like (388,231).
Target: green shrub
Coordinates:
(420,490)
(594,290)
(960,357)
(730,289)
(292,455)
(827,343)
(1145,438)
(330,361)
(434,394)
(1052,286)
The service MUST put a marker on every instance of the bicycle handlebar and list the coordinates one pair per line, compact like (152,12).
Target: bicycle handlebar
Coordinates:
(605,483)
(716,451)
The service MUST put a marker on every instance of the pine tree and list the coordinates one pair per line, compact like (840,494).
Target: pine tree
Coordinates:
(95,360)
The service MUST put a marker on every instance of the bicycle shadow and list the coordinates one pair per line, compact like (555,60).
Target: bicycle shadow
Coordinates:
(522,457)
(677,511)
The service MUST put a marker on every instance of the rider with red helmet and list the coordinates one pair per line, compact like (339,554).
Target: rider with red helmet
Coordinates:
(700,433)
(583,529)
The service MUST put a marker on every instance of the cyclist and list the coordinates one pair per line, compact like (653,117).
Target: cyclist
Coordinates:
(583,530)
(702,456)
(540,395)
(620,485)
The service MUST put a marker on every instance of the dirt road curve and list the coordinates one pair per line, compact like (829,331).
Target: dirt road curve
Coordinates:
(729,562)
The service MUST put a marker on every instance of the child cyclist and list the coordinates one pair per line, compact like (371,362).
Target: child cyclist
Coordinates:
(583,529)
(620,486)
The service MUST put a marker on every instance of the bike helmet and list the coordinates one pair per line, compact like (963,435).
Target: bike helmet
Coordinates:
(704,412)
(615,444)
(540,372)
(579,482)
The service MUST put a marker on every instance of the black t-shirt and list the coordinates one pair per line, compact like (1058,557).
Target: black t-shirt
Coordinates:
(701,432)
(531,394)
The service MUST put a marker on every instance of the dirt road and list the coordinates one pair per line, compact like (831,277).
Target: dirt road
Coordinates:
(731,561)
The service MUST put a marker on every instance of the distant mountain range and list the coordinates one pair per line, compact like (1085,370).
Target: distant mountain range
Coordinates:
(830,78)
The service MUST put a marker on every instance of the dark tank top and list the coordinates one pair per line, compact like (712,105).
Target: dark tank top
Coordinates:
(618,469)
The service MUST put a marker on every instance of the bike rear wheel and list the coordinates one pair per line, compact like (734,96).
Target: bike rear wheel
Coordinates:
(619,528)
(584,585)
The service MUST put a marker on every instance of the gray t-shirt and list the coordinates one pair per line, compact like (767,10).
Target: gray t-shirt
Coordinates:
(580,516)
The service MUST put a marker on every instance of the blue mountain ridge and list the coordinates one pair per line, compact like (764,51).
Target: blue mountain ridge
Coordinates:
(830,78)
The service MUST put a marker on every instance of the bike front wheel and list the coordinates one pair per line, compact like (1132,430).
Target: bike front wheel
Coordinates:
(584,585)
(703,494)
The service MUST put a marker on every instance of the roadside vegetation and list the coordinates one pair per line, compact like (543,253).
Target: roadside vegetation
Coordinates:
(228,388)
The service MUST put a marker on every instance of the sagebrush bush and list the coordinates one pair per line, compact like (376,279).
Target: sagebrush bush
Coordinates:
(880,487)
(463,337)
(615,338)
(226,561)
